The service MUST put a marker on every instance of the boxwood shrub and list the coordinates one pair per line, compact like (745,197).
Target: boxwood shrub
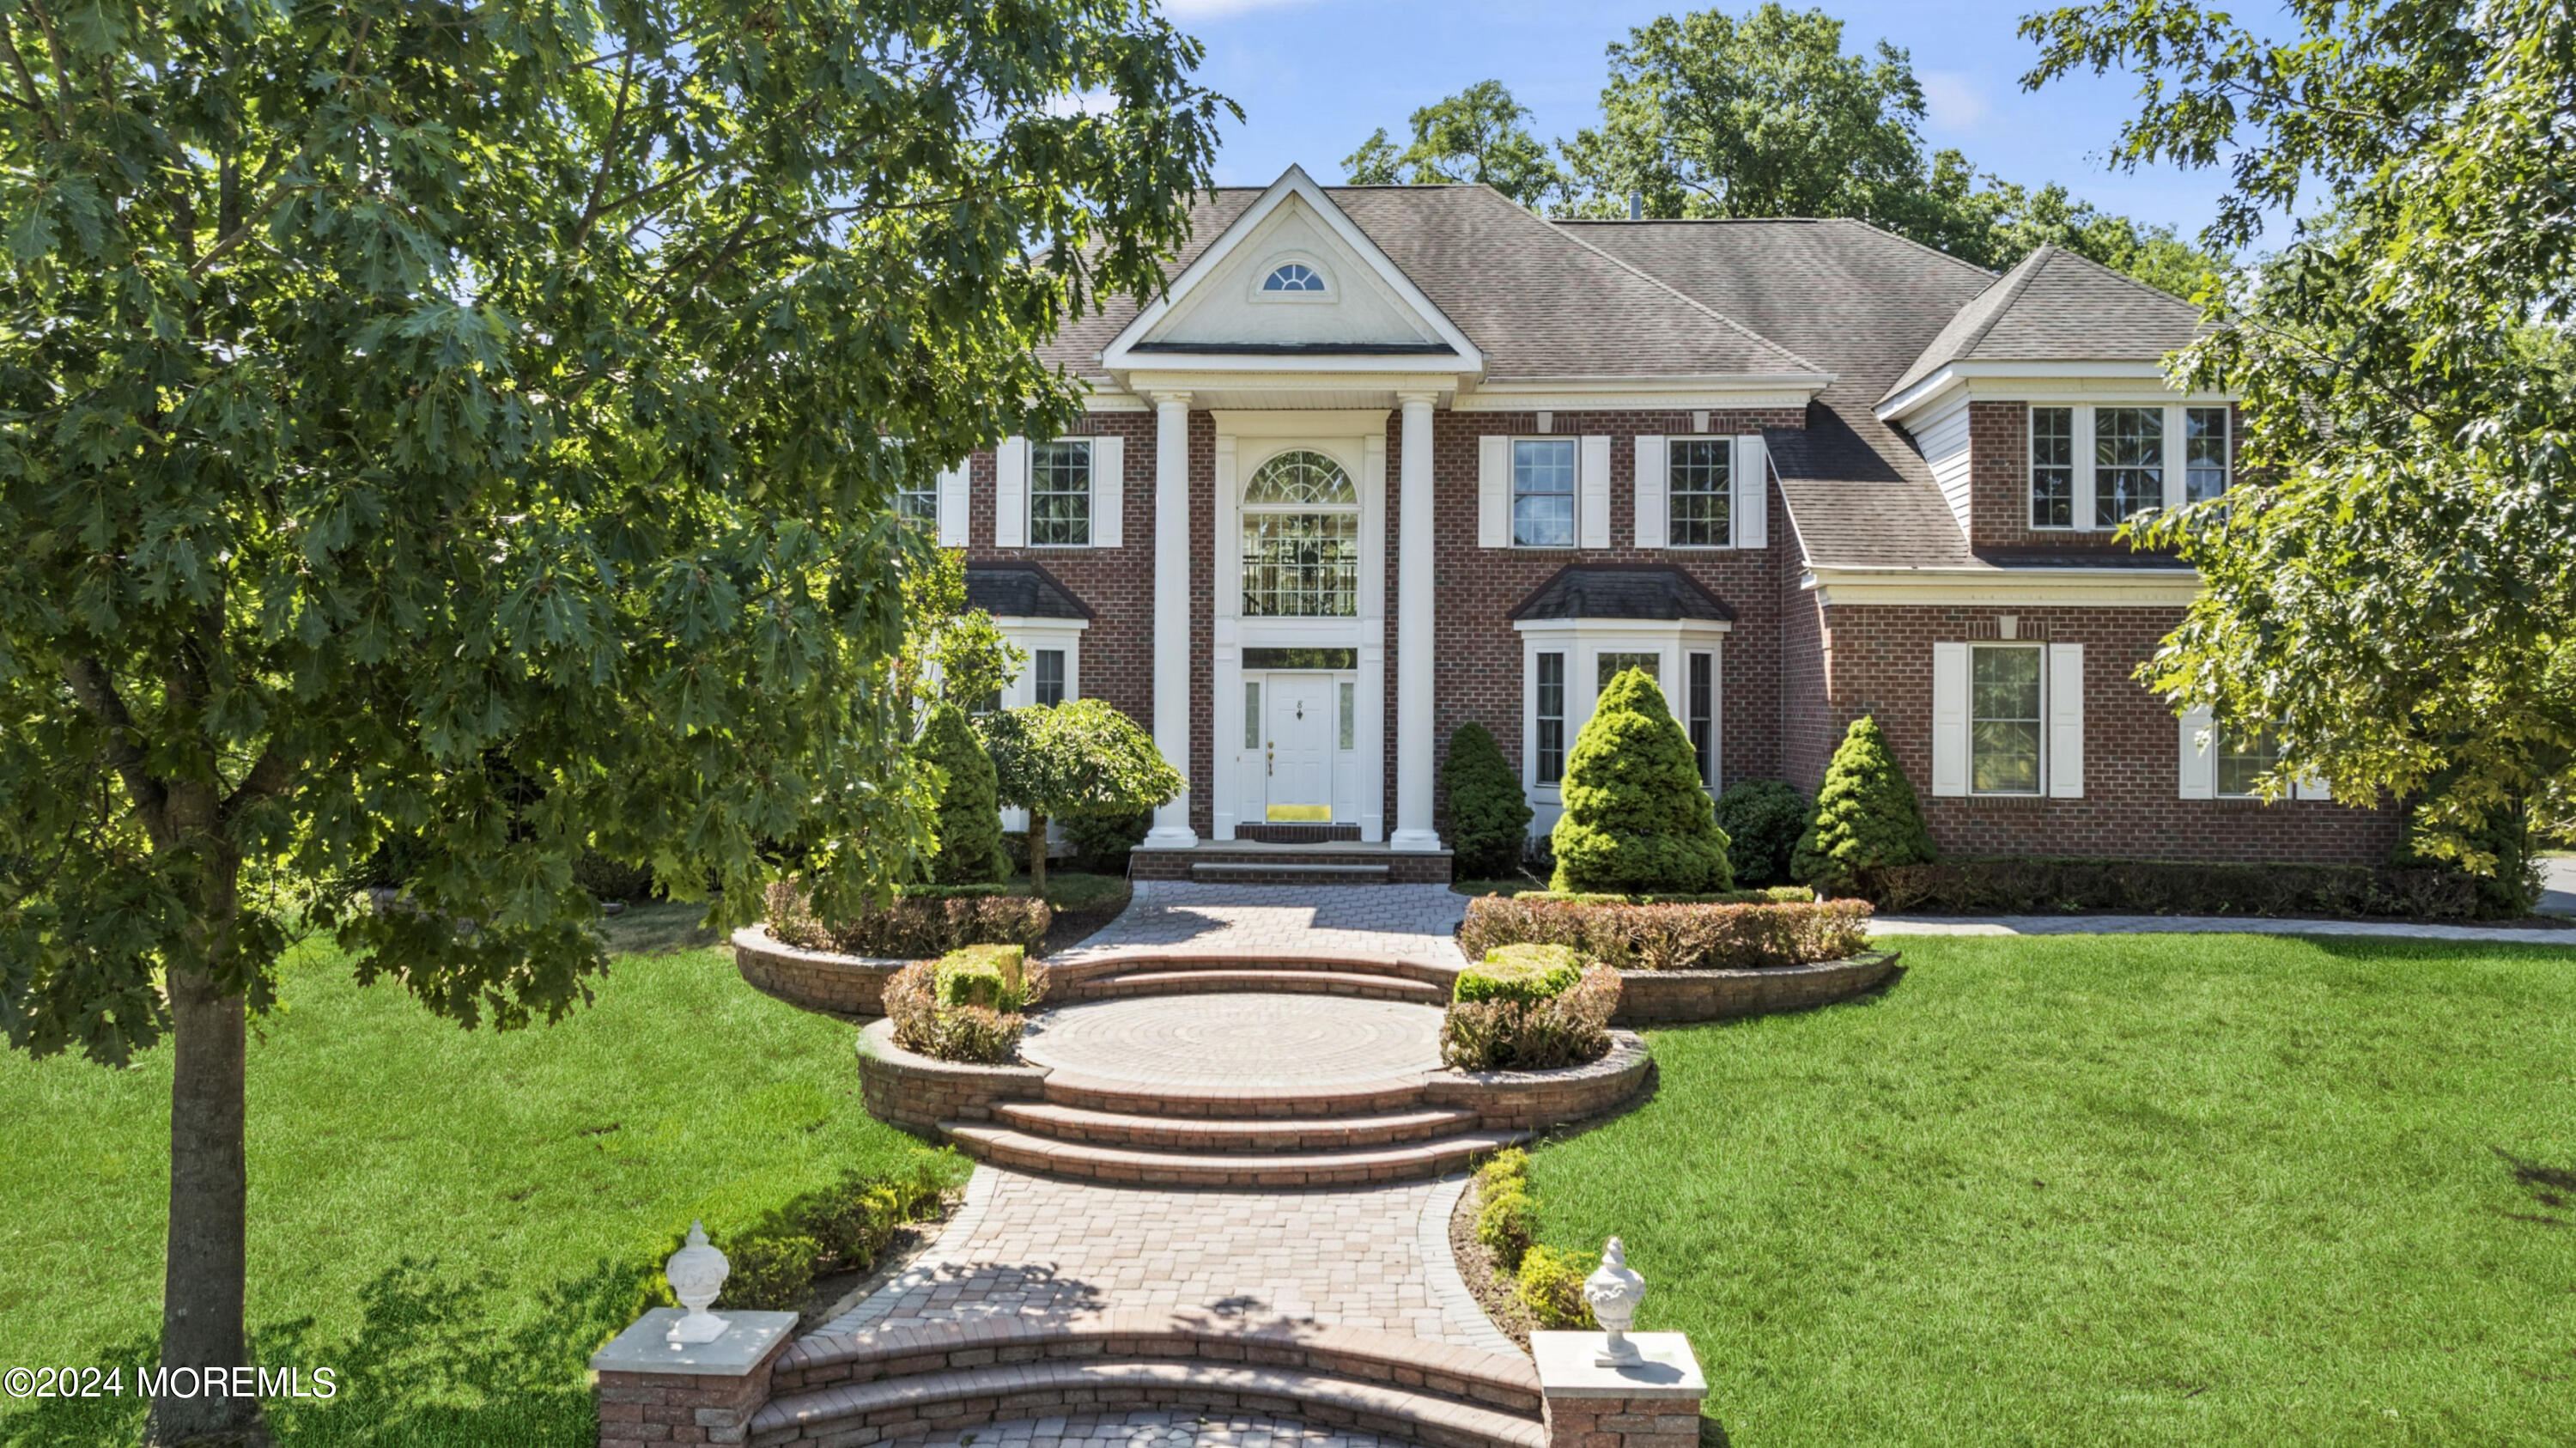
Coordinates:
(1568,1026)
(965,1006)
(1520,973)
(1672,936)
(2164,887)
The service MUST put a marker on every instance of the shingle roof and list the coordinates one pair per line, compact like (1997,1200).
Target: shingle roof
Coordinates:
(1642,591)
(1536,298)
(2059,307)
(1863,303)
(1019,590)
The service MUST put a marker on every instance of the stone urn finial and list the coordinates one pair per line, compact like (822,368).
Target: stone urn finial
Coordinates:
(697,1273)
(1614,1292)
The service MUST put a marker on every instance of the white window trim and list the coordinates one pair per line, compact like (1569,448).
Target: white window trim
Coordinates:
(1734,493)
(2178,434)
(1105,500)
(1261,275)
(2041,649)
(2196,767)
(2061,720)
(1583,642)
(2085,464)
(1030,635)
(1512,493)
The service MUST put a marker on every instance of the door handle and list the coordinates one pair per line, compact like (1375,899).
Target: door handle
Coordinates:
(1269,759)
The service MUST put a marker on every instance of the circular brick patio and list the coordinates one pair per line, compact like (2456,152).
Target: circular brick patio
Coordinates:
(1233,1042)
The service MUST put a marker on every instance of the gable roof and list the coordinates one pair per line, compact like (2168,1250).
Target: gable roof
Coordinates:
(2059,307)
(1861,302)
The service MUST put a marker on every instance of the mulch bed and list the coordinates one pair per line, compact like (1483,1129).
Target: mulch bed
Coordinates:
(1493,1291)
(1072,927)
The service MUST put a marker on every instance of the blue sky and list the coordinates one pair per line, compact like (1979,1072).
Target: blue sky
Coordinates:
(1314,77)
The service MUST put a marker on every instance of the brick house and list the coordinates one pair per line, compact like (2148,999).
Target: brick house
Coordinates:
(1386,460)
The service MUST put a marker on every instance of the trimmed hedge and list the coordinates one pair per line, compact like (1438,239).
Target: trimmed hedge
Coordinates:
(1764,820)
(1775,895)
(965,1006)
(1673,937)
(1568,1028)
(1521,973)
(2168,887)
(990,976)
(912,927)
(1550,1285)
(839,1228)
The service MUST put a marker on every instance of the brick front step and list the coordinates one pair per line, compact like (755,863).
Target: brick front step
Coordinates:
(1408,1162)
(1256,863)
(1268,873)
(1071,970)
(911,1407)
(1129,1098)
(1163,1133)
(1293,982)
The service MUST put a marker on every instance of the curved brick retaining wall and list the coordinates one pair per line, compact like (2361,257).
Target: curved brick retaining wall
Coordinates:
(919,1092)
(840,985)
(1677,997)
(1536,1100)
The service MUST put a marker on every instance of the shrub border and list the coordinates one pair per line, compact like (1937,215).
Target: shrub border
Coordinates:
(1684,997)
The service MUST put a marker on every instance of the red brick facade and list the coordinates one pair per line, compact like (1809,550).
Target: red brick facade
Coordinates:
(1794,673)
(1999,483)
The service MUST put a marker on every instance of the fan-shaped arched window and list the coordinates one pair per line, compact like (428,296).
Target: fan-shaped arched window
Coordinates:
(1301,539)
(1293,276)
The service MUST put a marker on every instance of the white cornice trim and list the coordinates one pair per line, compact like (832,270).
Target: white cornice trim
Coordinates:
(1293,182)
(1639,394)
(2028,587)
(2038,382)
(1338,421)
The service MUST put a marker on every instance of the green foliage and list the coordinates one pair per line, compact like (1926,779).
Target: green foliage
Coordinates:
(912,927)
(606,879)
(1479,135)
(2391,589)
(1081,757)
(1521,973)
(2436,836)
(1504,1168)
(1503,1032)
(1770,895)
(2024,886)
(1636,815)
(969,817)
(1866,814)
(955,654)
(1506,1225)
(839,1228)
(991,976)
(1550,1284)
(1671,936)
(1488,813)
(1101,842)
(1763,819)
(962,1008)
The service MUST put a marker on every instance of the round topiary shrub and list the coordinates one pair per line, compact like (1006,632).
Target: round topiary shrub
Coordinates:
(966,1005)
(970,815)
(1866,815)
(1489,816)
(1637,818)
(1522,974)
(1763,820)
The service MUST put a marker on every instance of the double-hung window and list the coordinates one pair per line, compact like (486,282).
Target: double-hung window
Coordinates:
(2052,467)
(1611,666)
(1550,710)
(1046,682)
(1060,494)
(1701,484)
(2205,453)
(1543,492)
(2006,720)
(1700,708)
(2242,760)
(2128,463)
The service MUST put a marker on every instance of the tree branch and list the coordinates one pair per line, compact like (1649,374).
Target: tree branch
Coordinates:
(97,693)
(268,778)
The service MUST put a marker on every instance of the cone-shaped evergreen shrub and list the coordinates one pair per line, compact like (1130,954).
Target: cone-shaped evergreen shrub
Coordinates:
(1866,815)
(970,816)
(1763,820)
(1637,818)
(1488,815)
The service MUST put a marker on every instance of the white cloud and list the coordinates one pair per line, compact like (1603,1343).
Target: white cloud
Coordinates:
(1218,9)
(1956,100)
(1087,103)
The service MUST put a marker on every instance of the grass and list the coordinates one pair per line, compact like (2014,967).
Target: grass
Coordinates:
(2117,1190)
(450,1220)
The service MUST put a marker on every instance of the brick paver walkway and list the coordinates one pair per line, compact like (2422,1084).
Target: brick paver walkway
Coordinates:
(1408,922)
(1232,1042)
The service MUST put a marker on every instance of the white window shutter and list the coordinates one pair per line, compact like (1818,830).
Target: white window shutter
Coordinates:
(2309,786)
(2066,721)
(1108,491)
(1652,481)
(2196,763)
(952,507)
(1949,719)
(1011,493)
(1751,511)
(1493,491)
(1592,493)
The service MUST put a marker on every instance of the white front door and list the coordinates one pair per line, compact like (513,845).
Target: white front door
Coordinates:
(1298,749)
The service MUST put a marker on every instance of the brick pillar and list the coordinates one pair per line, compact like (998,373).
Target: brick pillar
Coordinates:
(652,1393)
(1654,1404)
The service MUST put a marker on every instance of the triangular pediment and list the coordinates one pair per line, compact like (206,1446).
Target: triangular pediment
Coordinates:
(1341,294)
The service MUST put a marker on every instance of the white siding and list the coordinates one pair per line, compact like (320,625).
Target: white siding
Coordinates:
(1944,440)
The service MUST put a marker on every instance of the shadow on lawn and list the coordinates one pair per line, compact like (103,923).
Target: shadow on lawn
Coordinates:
(2550,1186)
(436,1360)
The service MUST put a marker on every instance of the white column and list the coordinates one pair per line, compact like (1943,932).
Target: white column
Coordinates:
(1172,612)
(1413,636)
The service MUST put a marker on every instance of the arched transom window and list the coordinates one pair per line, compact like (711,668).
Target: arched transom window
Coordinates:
(1293,276)
(1301,539)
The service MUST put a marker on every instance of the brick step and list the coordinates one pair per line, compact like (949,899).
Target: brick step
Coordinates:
(1292,982)
(1079,966)
(1254,1103)
(1410,1161)
(1163,1133)
(894,1408)
(1273,872)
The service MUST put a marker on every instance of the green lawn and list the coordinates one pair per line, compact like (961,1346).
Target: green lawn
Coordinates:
(2129,1190)
(450,1220)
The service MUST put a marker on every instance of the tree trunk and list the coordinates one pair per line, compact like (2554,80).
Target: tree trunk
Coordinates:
(201,1295)
(1037,854)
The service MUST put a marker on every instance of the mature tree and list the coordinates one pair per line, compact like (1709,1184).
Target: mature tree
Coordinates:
(1081,757)
(464,419)
(952,654)
(1710,115)
(1479,135)
(2391,592)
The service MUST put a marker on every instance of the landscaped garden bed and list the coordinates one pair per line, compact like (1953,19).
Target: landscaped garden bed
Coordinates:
(842,968)
(1696,961)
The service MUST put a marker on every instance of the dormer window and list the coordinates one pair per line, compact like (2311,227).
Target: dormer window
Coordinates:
(1294,276)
